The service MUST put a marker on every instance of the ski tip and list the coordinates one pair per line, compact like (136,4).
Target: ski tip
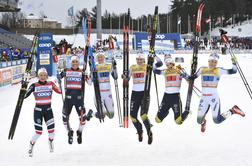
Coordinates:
(156,10)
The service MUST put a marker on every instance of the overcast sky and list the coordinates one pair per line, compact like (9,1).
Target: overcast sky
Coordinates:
(57,9)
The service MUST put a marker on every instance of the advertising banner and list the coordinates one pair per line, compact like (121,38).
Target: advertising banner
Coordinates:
(44,52)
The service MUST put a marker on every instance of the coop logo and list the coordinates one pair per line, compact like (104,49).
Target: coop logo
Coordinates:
(45,45)
(160,36)
(74,79)
(44,94)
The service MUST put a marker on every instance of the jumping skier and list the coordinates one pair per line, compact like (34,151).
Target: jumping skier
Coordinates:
(138,73)
(173,78)
(210,77)
(104,70)
(42,91)
(74,79)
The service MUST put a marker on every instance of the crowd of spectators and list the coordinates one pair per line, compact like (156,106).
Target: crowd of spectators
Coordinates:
(11,54)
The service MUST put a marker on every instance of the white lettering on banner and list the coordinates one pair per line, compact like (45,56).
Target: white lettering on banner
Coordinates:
(45,45)
(44,56)
(44,94)
(76,79)
(160,36)
(45,38)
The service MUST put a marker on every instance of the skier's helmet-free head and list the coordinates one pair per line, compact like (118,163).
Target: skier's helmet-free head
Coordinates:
(42,71)
(169,61)
(140,58)
(213,57)
(100,56)
(75,59)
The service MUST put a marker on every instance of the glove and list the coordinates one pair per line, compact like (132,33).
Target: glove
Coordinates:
(192,77)
(234,60)
(178,68)
(124,76)
(58,76)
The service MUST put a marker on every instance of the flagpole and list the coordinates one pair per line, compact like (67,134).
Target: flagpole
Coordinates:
(210,29)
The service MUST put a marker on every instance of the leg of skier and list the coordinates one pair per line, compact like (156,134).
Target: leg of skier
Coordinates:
(37,117)
(163,109)
(65,115)
(202,111)
(135,103)
(177,108)
(109,105)
(146,121)
(49,119)
(80,109)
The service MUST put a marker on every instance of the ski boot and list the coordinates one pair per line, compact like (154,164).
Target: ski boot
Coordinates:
(140,136)
(79,137)
(89,115)
(203,126)
(150,137)
(51,146)
(70,136)
(236,110)
(30,151)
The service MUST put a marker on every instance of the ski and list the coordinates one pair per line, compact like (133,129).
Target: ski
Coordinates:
(117,92)
(194,61)
(151,55)
(96,84)
(86,27)
(126,75)
(24,84)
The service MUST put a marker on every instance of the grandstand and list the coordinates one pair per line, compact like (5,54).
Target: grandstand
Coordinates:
(8,39)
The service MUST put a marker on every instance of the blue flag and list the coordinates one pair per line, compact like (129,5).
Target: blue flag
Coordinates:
(71,11)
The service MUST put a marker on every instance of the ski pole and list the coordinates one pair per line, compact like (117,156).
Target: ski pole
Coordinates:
(224,38)
(155,78)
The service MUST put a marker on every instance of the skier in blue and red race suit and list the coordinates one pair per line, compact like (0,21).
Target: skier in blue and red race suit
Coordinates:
(210,77)
(74,80)
(42,91)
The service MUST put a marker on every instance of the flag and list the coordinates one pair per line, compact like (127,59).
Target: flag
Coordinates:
(71,12)
(179,20)
(218,21)
(208,20)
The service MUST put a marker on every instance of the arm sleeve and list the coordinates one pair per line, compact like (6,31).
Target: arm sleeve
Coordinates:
(30,90)
(158,64)
(56,89)
(228,71)
(63,73)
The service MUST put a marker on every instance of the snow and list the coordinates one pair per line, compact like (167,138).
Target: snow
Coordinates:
(107,144)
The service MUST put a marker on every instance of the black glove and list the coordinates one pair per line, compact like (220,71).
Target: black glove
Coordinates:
(192,77)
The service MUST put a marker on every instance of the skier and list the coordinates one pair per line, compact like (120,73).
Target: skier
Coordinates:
(42,91)
(74,79)
(171,98)
(104,70)
(210,77)
(138,73)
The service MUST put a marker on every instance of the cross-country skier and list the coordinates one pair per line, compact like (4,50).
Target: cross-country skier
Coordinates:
(173,78)
(42,91)
(104,70)
(138,74)
(74,79)
(210,77)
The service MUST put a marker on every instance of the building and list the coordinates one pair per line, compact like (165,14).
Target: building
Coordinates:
(33,21)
